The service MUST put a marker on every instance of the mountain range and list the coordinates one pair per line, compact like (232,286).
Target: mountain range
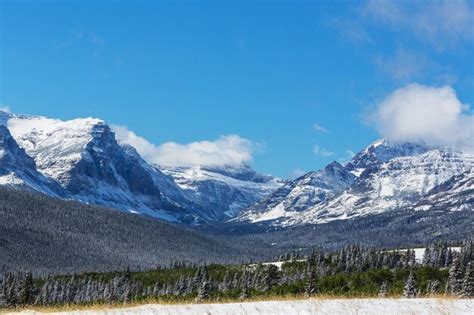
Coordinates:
(82,160)
(383,177)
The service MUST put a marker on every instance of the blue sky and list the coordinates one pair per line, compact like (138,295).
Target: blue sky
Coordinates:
(297,80)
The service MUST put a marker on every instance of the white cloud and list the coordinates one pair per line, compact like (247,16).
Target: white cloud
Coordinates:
(319,128)
(442,23)
(5,109)
(417,112)
(318,151)
(226,150)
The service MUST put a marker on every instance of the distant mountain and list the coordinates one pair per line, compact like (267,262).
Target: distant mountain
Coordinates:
(84,160)
(224,190)
(386,176)
(301,194)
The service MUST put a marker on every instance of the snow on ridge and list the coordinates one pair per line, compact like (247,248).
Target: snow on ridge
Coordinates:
(388,176)
(44,138)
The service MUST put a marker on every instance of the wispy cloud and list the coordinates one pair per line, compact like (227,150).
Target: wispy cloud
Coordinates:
(225,150)
(349,30)
(441,23)
(318,151)
(5,108)
(403,65)
(317,127)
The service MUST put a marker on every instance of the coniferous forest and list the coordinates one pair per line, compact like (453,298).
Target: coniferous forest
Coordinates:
(354,271)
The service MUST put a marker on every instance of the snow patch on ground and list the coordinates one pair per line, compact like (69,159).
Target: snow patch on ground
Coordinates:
(312,306)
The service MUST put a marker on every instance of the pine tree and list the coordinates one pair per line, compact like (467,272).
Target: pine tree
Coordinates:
(409,290)
(270,278)
(383,293)
(468,282)
(455,278)
(244,293)
(410,258)
(204,291)
(432,287)
(311,287)
(26,290)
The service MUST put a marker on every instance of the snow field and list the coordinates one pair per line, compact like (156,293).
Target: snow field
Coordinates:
(300,307)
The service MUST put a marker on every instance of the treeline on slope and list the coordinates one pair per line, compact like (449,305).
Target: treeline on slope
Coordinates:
(391,229)
(352,271)
(48,235)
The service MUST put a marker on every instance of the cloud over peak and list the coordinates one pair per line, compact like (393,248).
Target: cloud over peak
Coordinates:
(225,150)
(432,114)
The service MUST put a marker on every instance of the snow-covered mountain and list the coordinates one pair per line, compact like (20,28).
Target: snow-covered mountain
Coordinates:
(387,176)
(455,194)
(18,170)
(224,190)
(83,159)
(301,194)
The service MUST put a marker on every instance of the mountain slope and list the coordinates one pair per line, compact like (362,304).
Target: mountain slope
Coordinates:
(391,176)
(300,194)
(225,190)
(50,235)
(455,194)
(18,170)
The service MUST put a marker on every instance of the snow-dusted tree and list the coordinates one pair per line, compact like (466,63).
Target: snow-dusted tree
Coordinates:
(270,278)
(204,292)
(383,292)
(26,290)
(409,291)
(180,287)
(225,285)
(244,293)
(127,293)
(410,258)
(432,288)
(311,286)
(455,279)
(467,289)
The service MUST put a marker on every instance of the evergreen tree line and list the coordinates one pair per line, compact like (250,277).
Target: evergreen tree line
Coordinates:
(353,270)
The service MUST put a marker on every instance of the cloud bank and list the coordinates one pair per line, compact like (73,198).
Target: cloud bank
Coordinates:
(431,114)
(226,150)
